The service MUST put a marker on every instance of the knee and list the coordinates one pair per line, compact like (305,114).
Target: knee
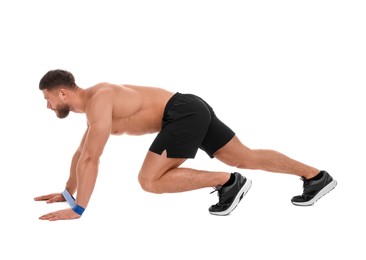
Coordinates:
(147,184)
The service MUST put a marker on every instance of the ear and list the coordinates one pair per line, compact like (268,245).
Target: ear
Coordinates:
(62,94)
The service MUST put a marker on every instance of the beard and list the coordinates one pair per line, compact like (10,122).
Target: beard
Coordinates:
(62,111)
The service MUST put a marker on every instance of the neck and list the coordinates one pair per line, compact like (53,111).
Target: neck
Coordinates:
(78,103)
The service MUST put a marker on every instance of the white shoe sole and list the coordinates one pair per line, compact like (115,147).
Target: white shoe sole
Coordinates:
(320,194)
(237,199)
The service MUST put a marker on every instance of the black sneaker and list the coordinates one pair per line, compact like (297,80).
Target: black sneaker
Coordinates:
(230,196)
(314,189)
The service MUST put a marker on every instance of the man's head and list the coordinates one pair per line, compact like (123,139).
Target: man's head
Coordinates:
(56,86)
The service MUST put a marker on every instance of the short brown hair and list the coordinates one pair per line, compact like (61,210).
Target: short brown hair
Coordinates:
(55,78)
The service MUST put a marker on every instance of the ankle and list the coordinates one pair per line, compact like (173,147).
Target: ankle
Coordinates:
(224,178)
(312,174)
(230,181)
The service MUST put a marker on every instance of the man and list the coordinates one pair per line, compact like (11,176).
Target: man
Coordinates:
(184,123)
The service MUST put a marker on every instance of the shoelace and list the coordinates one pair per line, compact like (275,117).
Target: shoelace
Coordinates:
(217,188)
(219,192)
(305,187)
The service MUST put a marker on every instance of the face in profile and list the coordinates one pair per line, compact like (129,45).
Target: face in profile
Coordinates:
(54,103)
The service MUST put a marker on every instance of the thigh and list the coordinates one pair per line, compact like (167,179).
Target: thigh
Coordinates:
(156,165)
(217,136)
(234,153)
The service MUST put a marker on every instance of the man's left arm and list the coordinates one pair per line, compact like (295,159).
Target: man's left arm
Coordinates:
(100,123)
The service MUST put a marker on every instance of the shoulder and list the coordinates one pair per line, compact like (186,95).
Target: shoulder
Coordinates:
(99,100)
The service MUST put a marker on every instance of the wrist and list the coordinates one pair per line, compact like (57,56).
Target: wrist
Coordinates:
(71,201)
(78,209)
(68,197)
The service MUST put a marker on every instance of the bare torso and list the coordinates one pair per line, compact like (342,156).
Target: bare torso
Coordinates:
(137,110)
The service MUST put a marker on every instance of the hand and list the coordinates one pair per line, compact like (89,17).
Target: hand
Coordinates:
(50,198)
(60,215)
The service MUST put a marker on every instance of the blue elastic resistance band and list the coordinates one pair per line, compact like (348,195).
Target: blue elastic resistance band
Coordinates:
(69,198)
(71,201)
(78,209)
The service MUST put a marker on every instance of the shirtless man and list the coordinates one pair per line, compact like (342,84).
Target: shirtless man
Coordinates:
(184,123)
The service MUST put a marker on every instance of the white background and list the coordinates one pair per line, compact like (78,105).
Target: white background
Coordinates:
(285,75)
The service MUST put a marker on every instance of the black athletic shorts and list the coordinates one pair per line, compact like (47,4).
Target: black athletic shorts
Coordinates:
(190,123)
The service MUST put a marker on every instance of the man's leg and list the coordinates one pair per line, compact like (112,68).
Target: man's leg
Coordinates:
(160,174)
(316,183)
(234,153)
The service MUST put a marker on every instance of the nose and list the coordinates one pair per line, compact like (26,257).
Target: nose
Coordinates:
(49,105)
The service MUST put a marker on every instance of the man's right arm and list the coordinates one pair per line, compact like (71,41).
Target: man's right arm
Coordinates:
(71,184)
